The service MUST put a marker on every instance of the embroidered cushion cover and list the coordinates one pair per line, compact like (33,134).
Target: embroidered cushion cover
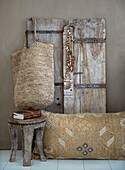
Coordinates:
(84,136)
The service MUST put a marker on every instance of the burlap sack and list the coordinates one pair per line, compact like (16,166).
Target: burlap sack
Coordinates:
(33,70)
(84,136)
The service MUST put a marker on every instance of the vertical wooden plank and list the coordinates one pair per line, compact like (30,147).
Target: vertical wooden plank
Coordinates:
(90,65)
(88,99)
(58,100)
(93,63)
(50,30)
(77,101)
(77,52)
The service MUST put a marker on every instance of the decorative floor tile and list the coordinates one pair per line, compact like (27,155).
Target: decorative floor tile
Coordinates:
(70,165)
(117,164)
(18,165)
(59,164)
(50,164)
(4,157)
(97,165)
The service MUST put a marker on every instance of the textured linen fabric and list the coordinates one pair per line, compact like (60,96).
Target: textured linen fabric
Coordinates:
(33,74)
(84,136)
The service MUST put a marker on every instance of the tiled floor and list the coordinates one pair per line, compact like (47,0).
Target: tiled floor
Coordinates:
(59,164)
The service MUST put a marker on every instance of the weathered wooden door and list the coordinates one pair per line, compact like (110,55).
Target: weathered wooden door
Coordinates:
(88,90)
(51,31)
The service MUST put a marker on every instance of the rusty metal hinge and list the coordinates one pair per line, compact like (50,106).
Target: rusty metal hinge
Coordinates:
(78,86)
(89,40)
(44,31)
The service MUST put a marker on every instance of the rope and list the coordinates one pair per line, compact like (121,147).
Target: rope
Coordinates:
(34,23)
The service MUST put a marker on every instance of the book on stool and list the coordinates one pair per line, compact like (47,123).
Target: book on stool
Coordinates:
(26,114)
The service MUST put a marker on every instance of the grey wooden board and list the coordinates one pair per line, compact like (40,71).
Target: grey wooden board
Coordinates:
(91,28)
(47,24)
(52,33)
(90,64)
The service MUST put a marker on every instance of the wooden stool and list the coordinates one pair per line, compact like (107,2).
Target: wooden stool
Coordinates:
(27,127)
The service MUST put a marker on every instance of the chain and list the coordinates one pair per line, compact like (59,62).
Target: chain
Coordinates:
(69,60)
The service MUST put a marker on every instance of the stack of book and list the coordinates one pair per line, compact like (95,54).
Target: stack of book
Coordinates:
(26,114)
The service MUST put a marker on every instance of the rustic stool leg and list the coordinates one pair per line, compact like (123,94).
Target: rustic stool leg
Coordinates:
(14,143)
(39,137)
(22,143)
(28,137)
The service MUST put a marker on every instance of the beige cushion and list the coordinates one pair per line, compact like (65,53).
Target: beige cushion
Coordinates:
(84,136)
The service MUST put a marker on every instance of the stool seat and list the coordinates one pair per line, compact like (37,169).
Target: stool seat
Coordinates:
(35,122)
(27,126)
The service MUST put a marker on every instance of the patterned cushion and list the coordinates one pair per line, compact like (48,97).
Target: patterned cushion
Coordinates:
(84,136)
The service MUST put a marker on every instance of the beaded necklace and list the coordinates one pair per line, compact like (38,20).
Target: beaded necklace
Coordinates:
(69,60)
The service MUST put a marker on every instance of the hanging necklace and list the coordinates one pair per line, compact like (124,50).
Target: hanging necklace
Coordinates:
(69,60)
